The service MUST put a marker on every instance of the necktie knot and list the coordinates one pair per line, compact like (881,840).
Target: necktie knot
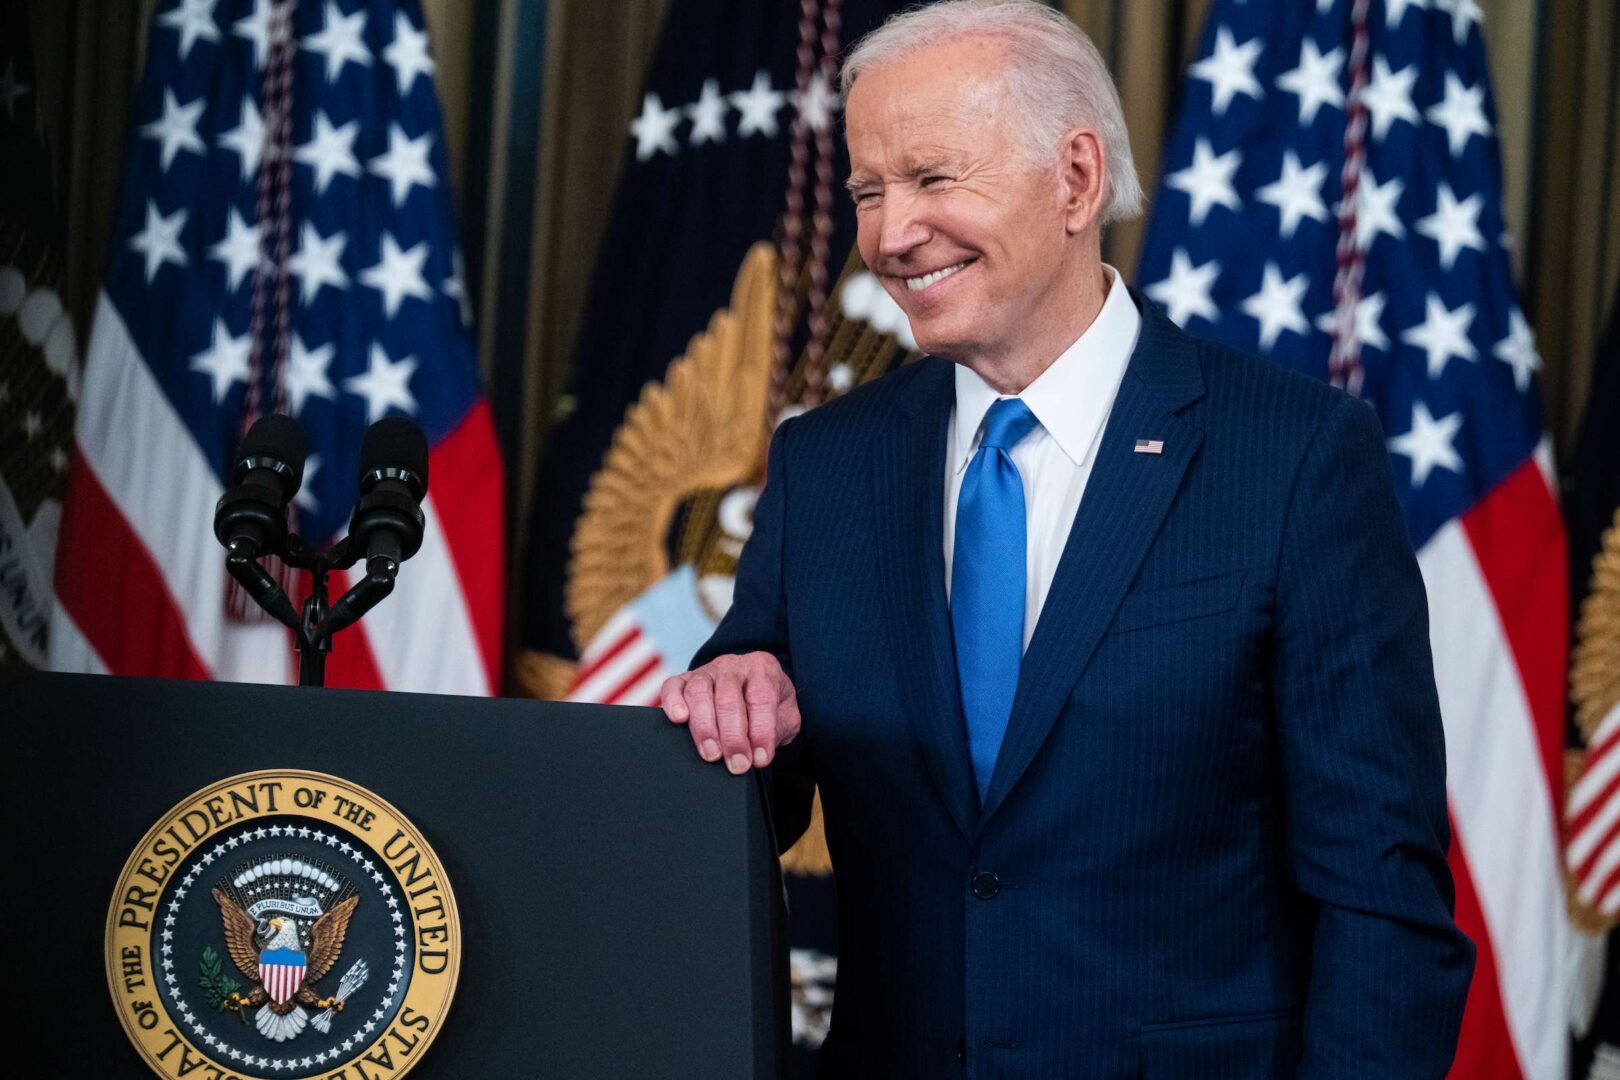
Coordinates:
(1006,424)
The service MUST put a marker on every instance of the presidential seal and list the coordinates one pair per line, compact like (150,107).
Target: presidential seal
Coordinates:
(283,924)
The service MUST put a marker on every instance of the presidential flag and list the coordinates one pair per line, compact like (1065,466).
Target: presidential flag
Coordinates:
(729,198)
(1592,511)
(726,297)
(38,360)
(284,241)
(1333,198)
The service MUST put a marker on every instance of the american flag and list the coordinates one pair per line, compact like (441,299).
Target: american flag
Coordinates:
(305,136)
(1333,197)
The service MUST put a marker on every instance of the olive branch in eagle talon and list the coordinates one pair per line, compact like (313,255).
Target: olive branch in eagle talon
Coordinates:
(242,942)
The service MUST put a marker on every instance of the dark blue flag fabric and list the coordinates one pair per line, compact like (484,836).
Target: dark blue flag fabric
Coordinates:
(725,297)
(284,242)
(1332,197)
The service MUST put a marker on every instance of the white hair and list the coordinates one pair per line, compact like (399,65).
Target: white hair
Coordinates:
(1054,72)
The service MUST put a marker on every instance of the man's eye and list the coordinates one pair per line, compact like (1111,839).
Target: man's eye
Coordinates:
(928,181)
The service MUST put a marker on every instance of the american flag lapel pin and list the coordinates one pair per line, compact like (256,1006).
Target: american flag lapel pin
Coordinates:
(1149,446)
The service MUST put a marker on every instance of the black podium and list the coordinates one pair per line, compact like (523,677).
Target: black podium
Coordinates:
(620,906)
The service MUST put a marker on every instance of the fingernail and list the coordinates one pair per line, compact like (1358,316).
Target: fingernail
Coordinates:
(710,750)
(759,757)
(738,763)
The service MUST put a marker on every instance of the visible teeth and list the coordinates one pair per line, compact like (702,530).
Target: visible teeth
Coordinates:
(915,283)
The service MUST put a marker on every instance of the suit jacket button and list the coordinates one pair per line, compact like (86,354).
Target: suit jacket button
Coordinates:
(985,886)
(961,1050)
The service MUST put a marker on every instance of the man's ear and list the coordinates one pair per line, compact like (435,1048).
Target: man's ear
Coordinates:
(1084,163)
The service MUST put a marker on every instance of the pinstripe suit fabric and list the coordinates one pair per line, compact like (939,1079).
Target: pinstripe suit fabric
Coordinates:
(1217,825)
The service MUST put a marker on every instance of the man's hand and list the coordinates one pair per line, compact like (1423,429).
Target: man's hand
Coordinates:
(737,707)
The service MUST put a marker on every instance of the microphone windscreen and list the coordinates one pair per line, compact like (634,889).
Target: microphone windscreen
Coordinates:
(395,442)
(277,436)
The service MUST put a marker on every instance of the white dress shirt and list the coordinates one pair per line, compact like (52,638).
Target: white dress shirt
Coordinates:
(1071,399)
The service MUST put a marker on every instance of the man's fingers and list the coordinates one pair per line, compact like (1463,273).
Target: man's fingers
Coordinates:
(670,696)
(788,720)
(760,695)
(730,717)
(699,698)
(738,709)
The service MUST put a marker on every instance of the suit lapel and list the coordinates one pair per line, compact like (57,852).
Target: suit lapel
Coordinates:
(1126,499)
(908,463)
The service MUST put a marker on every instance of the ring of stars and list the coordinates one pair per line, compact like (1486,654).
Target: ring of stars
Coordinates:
(223,1049)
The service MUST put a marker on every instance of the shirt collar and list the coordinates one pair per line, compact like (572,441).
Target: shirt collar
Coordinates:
(1071,398)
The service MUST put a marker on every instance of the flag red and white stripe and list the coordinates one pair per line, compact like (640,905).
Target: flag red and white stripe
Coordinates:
(1497,612)
(140,576)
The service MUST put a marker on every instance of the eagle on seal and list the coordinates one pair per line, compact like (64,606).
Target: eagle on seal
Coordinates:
(271,953)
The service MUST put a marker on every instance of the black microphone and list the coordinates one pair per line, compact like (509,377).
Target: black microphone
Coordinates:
(388,521)
(251,517)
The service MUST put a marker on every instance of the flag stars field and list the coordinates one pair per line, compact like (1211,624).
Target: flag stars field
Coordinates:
(340,40)
(1229,70)
(1315,81)
(329,151)
(1395,11)
(1454,225)
(193,20)
(1443,334)
(405,164)
(398,274)
(1461,111)
(255,29)
(318,262)
(246,139)
(1388,97)
(1296,193)
(1186,292)
(1367,323)
(238,249)
(176,129)
(1428,444)
(306,374)
(1377,209)
(225,361)
(1208,181)
(408,53)
(159,241)
(385,384)
(1277,305)
(1518,351)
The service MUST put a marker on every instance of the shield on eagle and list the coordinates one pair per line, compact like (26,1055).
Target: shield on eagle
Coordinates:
(282,971)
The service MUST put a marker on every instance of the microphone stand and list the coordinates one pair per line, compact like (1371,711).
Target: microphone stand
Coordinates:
(313,630)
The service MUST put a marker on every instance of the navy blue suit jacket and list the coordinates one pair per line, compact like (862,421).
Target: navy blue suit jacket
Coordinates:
(1214,844)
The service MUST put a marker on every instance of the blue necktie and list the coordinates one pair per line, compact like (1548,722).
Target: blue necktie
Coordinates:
(987,583)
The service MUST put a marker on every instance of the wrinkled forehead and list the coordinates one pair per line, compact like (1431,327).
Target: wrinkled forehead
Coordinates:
(950,96)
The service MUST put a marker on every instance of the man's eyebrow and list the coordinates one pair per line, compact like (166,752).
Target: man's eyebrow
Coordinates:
(912,171)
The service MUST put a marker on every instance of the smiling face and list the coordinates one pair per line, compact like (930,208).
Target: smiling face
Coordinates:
(985,251)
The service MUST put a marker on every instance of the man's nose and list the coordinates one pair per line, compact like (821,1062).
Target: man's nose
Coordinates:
(901,229)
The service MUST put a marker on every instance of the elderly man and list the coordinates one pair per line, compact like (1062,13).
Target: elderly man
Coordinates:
(1109,647)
